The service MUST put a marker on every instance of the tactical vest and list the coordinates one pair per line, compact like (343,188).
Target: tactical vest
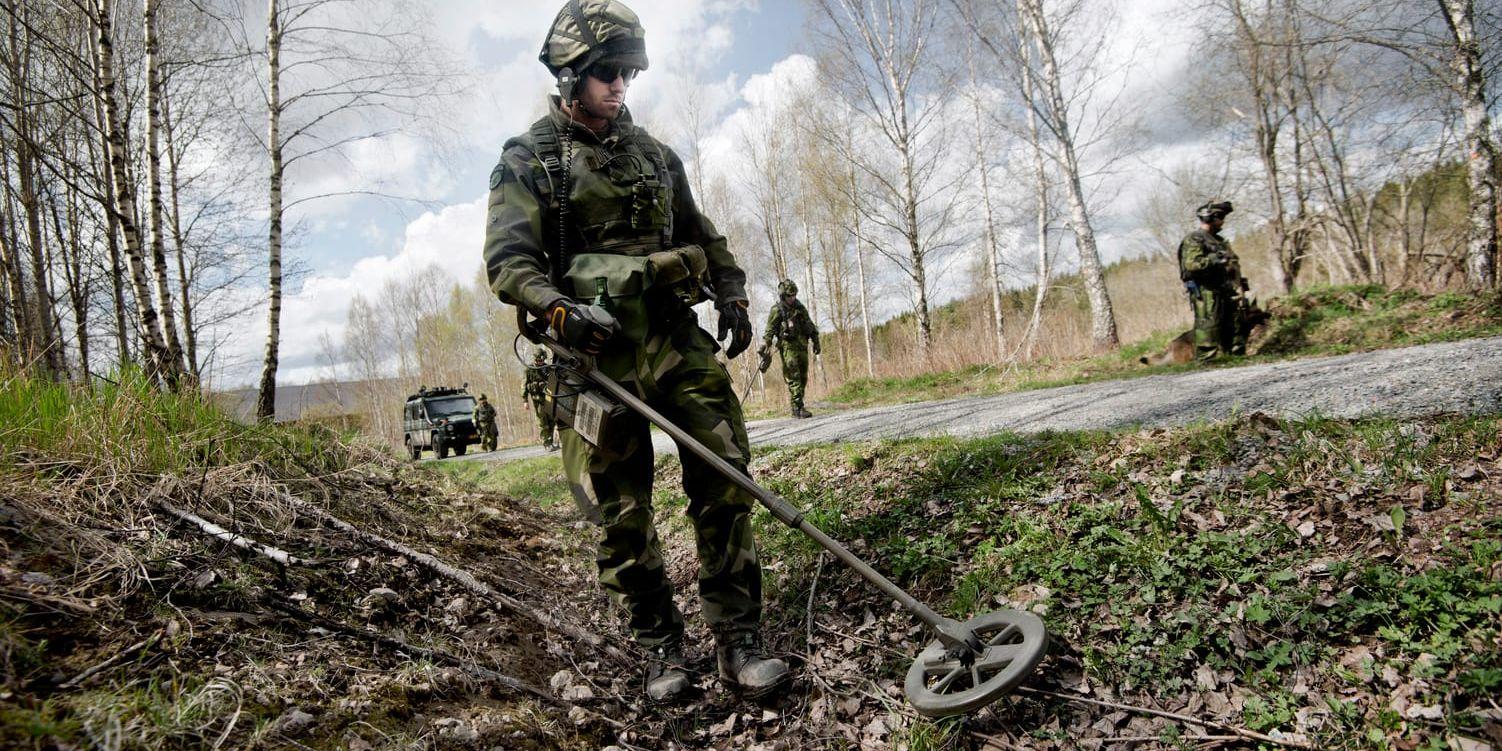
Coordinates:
(618,209)
(1210,243)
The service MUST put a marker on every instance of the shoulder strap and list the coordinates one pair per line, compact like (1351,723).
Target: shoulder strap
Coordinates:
(548,149)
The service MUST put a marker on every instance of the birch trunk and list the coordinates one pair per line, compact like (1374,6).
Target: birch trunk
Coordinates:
(42,337)
(1481,167)
(992,257)
(160,363)
(266,398)
(184,281)
(154,187)
(1102,318)
(101,167)
(1040,178)
(860,266)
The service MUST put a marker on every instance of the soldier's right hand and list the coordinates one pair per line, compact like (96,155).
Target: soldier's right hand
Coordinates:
(586,328)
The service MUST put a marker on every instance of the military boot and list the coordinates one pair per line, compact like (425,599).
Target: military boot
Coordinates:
(667,674)
(745,665)
(802,412)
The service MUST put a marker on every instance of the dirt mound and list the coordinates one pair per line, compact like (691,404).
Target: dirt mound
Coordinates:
(369,606)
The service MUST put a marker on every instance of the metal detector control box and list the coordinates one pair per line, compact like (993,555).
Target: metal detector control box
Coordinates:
(590,413)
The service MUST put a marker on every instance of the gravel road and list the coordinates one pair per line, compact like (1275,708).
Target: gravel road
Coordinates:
(1459,377)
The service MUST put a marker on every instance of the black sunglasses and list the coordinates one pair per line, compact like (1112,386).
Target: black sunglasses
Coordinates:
(608,73)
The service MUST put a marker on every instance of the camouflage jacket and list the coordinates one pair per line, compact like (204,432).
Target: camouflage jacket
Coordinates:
(629,195)
(536,385)
(1206,258)
(791,324)
(484,414)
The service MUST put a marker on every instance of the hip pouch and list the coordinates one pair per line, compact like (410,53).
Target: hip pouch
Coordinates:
(630,286)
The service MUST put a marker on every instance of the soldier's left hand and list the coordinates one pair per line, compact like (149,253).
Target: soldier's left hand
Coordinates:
(735,322)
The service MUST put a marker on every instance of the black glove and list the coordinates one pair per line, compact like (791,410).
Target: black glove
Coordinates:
(584,327)
(737,323)
(816,346)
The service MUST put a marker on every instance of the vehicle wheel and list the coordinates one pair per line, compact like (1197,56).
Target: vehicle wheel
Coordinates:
(439,450)
(459,449)
(413,450)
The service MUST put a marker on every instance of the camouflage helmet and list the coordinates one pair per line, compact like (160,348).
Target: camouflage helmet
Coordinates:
(588,31)
(787,288)
(1213,210)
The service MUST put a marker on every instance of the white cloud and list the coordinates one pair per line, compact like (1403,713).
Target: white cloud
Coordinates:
(449,238)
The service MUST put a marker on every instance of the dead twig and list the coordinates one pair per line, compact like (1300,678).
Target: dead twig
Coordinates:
(436,655)
(79,680)
(220,533)
(809,624)
(1239,732)
(459,576)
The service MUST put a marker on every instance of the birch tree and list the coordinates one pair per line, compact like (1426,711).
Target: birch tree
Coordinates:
(882,57)
(1055,114)
(160,362)
(337,72)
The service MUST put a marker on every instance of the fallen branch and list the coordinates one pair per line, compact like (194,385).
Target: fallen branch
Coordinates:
(435,655)
(809,626)
(79,680)
(1239,732)
(240,541)
(459,576)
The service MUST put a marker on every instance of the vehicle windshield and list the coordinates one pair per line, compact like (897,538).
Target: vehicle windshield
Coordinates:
(450,407)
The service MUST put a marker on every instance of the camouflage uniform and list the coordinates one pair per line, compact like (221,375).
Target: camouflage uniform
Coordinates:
(790,324)
(1212,276)
(535,390)
(485,423)
(629,197)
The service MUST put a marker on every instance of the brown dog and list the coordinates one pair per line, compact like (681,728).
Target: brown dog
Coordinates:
(1181,350)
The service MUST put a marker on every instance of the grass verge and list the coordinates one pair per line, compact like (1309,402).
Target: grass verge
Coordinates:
(1313,322)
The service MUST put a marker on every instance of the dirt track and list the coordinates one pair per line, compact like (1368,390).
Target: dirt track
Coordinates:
(1459,377)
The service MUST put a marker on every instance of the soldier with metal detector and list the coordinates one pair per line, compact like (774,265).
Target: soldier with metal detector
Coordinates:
(592,229)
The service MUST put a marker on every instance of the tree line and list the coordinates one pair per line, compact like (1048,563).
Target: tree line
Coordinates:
(151,151)
(146,153)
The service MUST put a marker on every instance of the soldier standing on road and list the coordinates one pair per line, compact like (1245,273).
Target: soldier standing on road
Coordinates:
(535,391)
(587,206)
(790,324)
(485,423)
(1212,276)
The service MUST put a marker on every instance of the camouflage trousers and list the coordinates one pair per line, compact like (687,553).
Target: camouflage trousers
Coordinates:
(677,374)
(545,421)
(1217,317)
(795,369)
(489,436)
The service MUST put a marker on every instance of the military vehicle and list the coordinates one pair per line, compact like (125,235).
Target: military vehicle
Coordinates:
(440,419)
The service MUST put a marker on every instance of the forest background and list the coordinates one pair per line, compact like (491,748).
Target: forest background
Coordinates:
(951,183)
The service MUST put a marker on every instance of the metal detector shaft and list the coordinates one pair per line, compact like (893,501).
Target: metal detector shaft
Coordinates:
(950,633)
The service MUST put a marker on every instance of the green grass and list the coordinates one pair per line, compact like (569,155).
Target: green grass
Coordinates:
(1316,321)
(539,479)
(135,429)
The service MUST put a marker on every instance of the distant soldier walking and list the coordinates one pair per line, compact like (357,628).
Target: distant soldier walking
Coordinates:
(1211,273)
(535,390)
(790,325)
(485,423)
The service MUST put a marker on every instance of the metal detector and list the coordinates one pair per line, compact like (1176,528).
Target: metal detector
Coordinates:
(968,665)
